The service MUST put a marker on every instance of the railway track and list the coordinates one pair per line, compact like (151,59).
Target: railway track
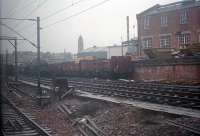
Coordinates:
(17,123)
(175,95)
(22,92)
(186,127)
(156,95)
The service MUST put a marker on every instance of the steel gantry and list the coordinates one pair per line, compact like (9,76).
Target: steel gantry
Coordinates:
(37,45)
(13,42)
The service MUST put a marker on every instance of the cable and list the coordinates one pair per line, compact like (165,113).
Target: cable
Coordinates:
(76,14)
(61,10)
(56,12)
(13,9)
(26,27)
(25,6)
(20,19)
(53,14)
(10,28)
(32,11)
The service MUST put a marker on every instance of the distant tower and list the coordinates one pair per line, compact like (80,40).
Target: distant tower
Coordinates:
(80,43)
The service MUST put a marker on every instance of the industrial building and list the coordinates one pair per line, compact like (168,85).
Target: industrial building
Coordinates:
(175,25)
(107,52)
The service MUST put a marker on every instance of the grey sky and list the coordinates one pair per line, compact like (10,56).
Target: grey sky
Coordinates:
(101,26)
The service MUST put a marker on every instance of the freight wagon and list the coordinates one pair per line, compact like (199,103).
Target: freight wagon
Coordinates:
(116,67)
(95,68)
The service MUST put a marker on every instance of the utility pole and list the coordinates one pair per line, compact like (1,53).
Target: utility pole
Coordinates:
(133,31)
(11,40)
(122,46)
(109,57)
(16,58)
(127,19)
(6,69)
(38,57)
(37,45)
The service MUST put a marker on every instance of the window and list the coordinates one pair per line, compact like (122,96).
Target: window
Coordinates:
(183,18)
(146,22)
(163,20)
(165,42)
(183,40)
(147,43)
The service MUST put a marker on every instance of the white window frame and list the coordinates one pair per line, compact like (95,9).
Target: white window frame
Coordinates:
(184,17)
(146,22)
(184,39)
(165,41)
(163,20)
(147,43)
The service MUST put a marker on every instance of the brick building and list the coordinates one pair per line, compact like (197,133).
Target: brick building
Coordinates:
(174,25)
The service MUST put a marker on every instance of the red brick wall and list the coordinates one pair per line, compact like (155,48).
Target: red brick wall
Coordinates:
(168,72)
(193,26)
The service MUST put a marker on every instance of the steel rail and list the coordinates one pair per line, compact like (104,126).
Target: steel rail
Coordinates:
(144,93)
(186,127)
(39,129)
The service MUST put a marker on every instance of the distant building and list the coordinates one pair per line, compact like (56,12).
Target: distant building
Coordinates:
(80,44)
(27,57)
(97,52)
(124,49)
(57,57)
(175,25)
(108,51)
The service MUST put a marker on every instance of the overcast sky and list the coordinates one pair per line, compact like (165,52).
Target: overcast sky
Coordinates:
(101,26)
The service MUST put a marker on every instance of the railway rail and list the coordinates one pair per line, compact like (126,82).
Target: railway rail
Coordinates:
(16,122)
(23,92)
(175,95)
(83,127)
(178,95)
(186,127)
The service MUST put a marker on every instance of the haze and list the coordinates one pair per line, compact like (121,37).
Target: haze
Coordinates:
(101,26)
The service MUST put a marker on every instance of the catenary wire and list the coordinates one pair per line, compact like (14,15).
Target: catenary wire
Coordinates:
(13,30)
(19,19)
(22,8)
(13,9)
(32,11)
(76,14)
(63,9)
(55,13)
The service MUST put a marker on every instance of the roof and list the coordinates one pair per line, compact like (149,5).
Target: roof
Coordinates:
(94,49)
(105,48)
(170,7)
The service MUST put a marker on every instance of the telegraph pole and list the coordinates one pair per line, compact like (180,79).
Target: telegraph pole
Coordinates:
(122,46)
(6,69)
(127,21)
(14,39)
(37,45)
(16,58)
(38,56)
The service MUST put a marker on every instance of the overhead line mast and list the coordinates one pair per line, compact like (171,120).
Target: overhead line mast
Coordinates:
(37,45)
